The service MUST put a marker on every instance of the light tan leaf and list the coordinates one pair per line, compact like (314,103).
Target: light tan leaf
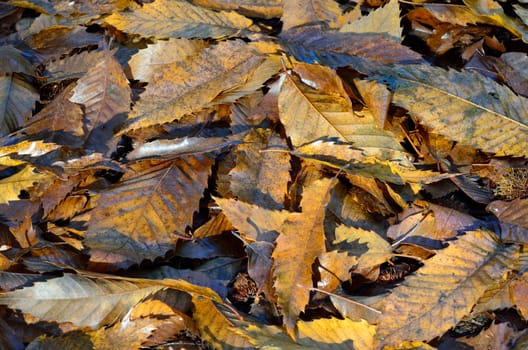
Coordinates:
(105,94)
(146,62)
(17,100)
(251,8)
(333,333)
(253,222)
(180,89)
(310,12)
(261,177)
(426,222)
(384,19)
(90,302)
(137,219)
(439,294)
(300,242)
(463,106)
(165,18)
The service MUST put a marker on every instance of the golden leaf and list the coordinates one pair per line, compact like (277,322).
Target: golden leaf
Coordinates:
(251,8)
(180,89)
(165,18)
(300,242)
(333,333)
(384,19)
(23,180)
(216,327)
(253,222)
(138,218)
(463,106)
(320,98)
(146,62)
(439,294)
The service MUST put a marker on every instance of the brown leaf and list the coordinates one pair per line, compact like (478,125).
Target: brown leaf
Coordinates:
(105,95)
(251,8)
(261,175)
(138,218)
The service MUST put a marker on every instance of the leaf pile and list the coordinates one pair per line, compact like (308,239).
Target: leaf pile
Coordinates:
(263,174)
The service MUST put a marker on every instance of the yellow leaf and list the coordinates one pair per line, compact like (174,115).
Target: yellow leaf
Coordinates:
(463,106)
(218,74)
(439,294)
(300,242)
(251,8)
(146,62)
(165,18)
(253,222)
(26,178)
(316,106)
(216,327)
(384,19)
(333,333)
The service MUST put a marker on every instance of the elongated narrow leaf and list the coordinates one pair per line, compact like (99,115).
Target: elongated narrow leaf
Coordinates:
(463,106)
(251,8)
(166,18)
(445,289)
(181,89)
(89,302)
(138,219)
(300,242)
(17,99)
(337,49)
